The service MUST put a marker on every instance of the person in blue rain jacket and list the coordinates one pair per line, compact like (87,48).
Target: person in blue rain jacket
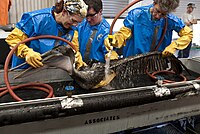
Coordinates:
(91,34)
(143,29)
(57,21)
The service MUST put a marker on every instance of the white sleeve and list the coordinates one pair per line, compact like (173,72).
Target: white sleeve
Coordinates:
(185,18)
(194,16)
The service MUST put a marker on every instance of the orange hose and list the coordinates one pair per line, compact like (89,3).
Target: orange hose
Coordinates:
(120,13)
(127,7)
(40,86)
(165,71)
(163,34)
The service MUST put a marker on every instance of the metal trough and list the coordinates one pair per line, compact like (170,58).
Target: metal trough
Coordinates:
(100,111)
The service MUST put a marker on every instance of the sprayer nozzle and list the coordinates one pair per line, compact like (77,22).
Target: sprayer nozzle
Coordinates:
(110,38)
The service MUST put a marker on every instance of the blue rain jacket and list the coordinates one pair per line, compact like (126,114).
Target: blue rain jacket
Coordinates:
(40,22)
(98,49)
(142,27)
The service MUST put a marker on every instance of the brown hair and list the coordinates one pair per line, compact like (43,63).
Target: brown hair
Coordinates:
(167,5)
(59,6)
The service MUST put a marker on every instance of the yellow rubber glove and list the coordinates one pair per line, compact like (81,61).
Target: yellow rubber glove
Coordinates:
(32,58)
(169,50)
(181,43)
(23,51)
(119,38)
(75,40)
(79,63)
(14,38)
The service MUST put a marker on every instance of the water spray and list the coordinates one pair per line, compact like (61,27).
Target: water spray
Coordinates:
(110,36)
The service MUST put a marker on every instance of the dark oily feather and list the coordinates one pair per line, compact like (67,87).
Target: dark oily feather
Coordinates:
(89,77)
(59,50)
(152,61)
(63,57)
(60,57)
(131,71)
(128,71)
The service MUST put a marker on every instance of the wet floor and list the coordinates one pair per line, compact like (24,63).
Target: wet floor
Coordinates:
(194,52)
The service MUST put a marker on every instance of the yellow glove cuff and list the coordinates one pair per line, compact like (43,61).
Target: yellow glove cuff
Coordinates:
(121,36)
(15,37)
(75,40)
(186,31)
(186,36)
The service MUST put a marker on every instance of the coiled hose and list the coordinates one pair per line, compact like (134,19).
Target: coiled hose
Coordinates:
(153,76)
(39,86)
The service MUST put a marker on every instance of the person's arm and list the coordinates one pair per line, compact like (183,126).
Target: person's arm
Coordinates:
(182,42)
(188,23)
(119,38)
(111,53)
(194,21)
(23,51)
(186,20)
(79,63)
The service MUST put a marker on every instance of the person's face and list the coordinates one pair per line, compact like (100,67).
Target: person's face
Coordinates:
(94,17)
(190,9)
(69,20)
(157,13)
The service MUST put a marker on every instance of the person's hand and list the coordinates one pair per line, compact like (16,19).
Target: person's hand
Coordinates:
(79,63)
(118,39)
(33,58)
(169,50)
(109,44)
